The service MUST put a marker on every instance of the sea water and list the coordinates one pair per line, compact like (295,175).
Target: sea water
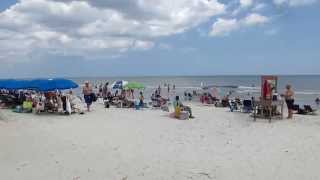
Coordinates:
(306,87)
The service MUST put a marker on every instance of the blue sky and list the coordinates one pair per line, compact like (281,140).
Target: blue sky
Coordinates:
(273,38)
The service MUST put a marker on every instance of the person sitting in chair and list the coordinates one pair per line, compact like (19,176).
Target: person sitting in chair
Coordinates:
(178,104)
(225,101)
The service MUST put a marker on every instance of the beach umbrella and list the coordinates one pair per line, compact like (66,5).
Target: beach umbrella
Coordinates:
(119,84)
(13,84)
(52,84)
(134,85)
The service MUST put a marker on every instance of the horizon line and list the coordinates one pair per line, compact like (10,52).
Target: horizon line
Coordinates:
(135,76)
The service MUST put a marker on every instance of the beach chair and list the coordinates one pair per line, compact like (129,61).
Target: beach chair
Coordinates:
(309,110)
(155,104)
(233,106)
(247,106)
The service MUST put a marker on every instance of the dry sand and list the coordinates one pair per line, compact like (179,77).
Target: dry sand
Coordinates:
(123,144)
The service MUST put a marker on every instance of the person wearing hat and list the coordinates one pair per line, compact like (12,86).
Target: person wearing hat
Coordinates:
(87,93)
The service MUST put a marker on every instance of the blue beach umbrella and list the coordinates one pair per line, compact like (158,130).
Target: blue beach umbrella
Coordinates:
(52,84)
(119,84)
(12,84)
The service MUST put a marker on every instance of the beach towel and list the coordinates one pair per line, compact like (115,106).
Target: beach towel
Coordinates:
(183,116)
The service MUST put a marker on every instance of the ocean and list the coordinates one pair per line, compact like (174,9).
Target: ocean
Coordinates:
(306,87)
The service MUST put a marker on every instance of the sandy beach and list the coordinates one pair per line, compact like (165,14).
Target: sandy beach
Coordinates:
(125,144)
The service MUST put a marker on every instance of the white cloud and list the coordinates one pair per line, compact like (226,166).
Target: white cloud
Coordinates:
(110,28)
(294,3)
(259,7)
(143,45)
(96,27)
(246,3)
(254,19)
(223,27)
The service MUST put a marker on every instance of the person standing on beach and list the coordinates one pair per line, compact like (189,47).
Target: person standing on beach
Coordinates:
(141,100)
(105,90)
(317,101)
(88,94)
(289,97)
(159,90)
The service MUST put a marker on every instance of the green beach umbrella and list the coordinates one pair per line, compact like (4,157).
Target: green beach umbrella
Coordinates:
(134,85)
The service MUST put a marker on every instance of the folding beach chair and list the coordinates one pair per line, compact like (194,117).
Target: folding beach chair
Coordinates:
(247,106)
(308,109)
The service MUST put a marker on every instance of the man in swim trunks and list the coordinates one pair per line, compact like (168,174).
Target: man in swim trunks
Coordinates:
(87,93)
(289,97)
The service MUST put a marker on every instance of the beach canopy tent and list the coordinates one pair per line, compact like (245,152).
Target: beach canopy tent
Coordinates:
(119,84)
(13,84)
(38,84)
(134,85)
(52,84)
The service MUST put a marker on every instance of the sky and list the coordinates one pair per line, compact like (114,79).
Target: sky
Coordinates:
(80,38)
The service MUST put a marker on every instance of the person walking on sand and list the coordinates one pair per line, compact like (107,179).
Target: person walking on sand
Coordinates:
(159,90)
(88,94)
(105,90)
(289,97)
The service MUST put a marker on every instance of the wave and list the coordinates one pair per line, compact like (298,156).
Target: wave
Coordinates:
(307,92)
(250,87)
(177,87)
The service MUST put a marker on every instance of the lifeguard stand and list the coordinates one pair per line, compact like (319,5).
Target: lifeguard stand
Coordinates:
(267,105)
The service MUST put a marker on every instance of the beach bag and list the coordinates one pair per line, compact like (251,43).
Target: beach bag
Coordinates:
(18,109)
